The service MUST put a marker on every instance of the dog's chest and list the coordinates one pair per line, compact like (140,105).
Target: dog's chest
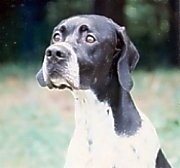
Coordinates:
(94,118)
(95,143)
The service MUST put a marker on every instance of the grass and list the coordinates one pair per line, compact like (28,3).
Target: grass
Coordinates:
(36,123)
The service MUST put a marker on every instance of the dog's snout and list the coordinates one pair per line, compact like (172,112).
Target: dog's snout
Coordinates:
(55,51)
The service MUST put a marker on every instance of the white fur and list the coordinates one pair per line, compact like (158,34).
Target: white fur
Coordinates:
(44,69)
(108,150)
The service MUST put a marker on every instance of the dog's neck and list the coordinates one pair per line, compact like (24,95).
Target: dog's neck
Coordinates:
(109,101)
(126,117)
(93,119)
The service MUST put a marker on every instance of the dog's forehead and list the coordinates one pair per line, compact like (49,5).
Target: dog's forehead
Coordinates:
(95,22)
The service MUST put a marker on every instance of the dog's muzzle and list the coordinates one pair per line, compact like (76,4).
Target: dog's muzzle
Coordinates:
(60,66)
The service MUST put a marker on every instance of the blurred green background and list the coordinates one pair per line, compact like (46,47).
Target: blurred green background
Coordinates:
(36,123)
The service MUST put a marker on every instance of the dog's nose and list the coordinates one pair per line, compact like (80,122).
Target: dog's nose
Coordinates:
(55,51)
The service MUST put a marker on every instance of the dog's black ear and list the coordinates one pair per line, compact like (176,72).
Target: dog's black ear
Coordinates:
(128,57)
(40,78)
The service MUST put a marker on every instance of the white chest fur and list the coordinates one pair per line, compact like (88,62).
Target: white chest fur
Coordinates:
(96,145)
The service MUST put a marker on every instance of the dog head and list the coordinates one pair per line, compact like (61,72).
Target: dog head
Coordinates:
(87,50)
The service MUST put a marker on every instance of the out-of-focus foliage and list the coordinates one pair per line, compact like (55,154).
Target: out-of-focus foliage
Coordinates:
(24,37)
(60,9)
(148,25)
(148,18)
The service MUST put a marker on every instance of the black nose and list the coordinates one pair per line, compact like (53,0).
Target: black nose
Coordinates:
(55,51)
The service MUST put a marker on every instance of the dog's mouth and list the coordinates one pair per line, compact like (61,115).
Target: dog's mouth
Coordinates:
(60,83)
(64,81)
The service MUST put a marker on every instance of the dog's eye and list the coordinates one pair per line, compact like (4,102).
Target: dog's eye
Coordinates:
(57,37)
(90,39)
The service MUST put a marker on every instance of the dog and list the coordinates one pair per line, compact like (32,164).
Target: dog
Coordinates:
(93,57)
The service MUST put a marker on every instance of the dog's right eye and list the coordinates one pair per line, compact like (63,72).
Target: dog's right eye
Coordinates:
(90,39)
(57,37)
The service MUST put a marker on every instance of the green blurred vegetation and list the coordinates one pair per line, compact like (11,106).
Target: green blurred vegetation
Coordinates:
(60,9)
(36,123)
(26,28)
(148,25)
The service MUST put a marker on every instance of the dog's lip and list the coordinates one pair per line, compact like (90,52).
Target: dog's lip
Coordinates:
(59,83)
(62,83)
(63,86)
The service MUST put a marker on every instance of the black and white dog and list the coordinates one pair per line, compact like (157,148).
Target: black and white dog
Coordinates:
(93,57)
